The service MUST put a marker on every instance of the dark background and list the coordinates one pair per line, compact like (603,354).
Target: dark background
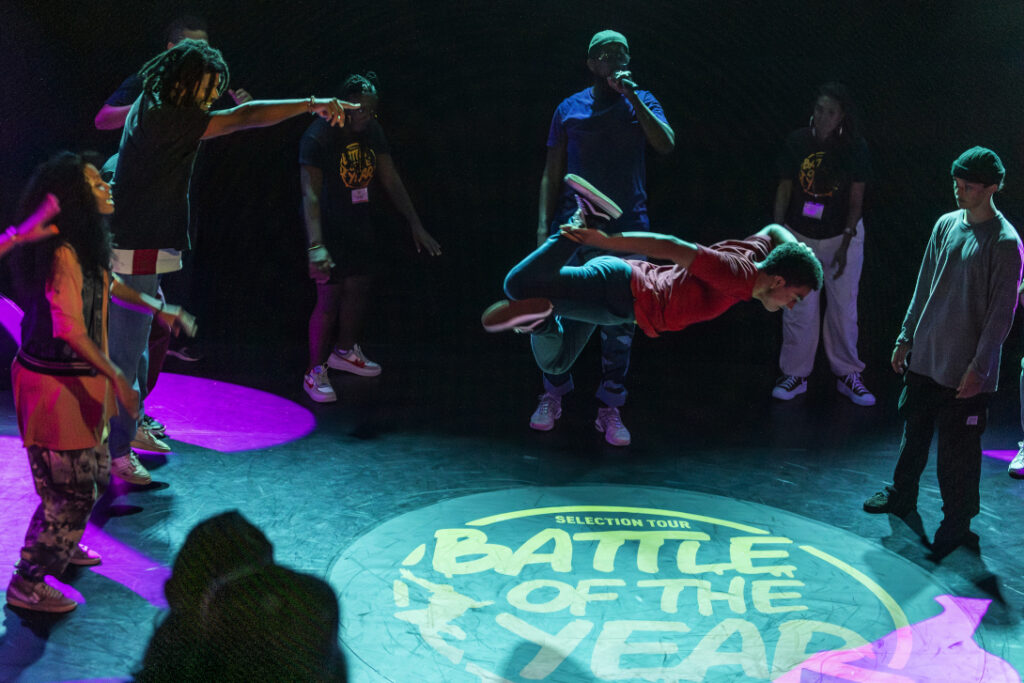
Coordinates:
(467,93)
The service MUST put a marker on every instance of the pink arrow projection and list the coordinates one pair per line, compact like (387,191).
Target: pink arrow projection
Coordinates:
(943,650)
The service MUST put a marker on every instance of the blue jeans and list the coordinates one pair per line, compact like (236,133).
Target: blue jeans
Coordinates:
(584,296)
(129,349)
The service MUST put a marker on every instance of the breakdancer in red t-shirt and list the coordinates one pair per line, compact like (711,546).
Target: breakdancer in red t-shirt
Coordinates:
(560,305)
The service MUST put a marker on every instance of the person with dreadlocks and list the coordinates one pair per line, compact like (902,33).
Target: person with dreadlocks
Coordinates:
(150,229)
(111,116)
(337,170)
(63,379)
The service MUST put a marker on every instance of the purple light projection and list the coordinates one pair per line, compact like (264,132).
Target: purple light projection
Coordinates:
(942,649)
(205,413)
(122,563)
(10,318)
(226,417)
(1005,456)
(216,415)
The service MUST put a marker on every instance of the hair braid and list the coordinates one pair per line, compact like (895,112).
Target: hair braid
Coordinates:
(175,75)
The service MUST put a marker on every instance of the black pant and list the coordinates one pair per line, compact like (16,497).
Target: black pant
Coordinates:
(925,405)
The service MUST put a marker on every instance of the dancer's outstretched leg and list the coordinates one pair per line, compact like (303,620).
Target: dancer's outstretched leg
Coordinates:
(542,276)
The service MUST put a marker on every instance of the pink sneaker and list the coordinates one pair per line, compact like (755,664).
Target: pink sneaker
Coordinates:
(84,556)
(548,410)
(610,422)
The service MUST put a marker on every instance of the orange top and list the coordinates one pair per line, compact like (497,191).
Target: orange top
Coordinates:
(56,412)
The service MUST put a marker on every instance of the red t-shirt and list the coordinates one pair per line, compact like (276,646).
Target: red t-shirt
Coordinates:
(668,298)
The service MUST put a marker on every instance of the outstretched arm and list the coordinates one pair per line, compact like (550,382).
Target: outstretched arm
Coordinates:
(34,228)
(777,234)
(392,182)
(263,113)
(650,244)
(110,117)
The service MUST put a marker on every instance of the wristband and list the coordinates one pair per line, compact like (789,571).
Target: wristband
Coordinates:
(315,245)
(309,104)
(852,232)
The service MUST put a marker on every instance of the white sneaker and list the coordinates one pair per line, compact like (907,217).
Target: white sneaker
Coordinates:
(610,422)
(548,410)
(595,207)
(354,361)
(145,441)
(789,386)
(1017,464)
(522,315)
(853,388)
(318,387)
(128,468)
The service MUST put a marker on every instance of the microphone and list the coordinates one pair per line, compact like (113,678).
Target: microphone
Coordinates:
(623,77)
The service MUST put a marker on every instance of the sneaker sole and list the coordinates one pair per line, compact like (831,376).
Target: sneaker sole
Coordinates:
(132,479)
(86,562)
(508,315)
(789,395)
(1015,475)
(318,397)
(345,366)
(541,426)
(140,446)
(184,356)
(608,439)
(593,195)
(35,607)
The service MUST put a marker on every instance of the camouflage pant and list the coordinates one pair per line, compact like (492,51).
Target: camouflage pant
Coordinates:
(69,483)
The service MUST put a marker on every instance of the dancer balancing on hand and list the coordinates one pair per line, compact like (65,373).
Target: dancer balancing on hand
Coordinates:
(560,305)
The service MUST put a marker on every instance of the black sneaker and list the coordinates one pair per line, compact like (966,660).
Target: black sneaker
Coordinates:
(948,539)
(887,500)
(595,208)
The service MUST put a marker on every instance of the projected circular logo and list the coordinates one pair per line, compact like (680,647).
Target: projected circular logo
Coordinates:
(620,583)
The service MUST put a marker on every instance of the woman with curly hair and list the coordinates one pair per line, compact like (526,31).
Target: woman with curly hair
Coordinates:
(64,382)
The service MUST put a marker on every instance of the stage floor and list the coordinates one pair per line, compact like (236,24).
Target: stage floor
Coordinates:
(727,543)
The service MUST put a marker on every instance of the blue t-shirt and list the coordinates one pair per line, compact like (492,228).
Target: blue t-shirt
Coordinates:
(606,146)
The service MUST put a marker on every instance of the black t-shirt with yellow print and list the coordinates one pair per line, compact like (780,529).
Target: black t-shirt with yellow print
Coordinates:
(822,174)
(348,161)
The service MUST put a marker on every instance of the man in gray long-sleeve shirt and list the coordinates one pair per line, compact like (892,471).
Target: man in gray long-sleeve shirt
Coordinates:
(950,346)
